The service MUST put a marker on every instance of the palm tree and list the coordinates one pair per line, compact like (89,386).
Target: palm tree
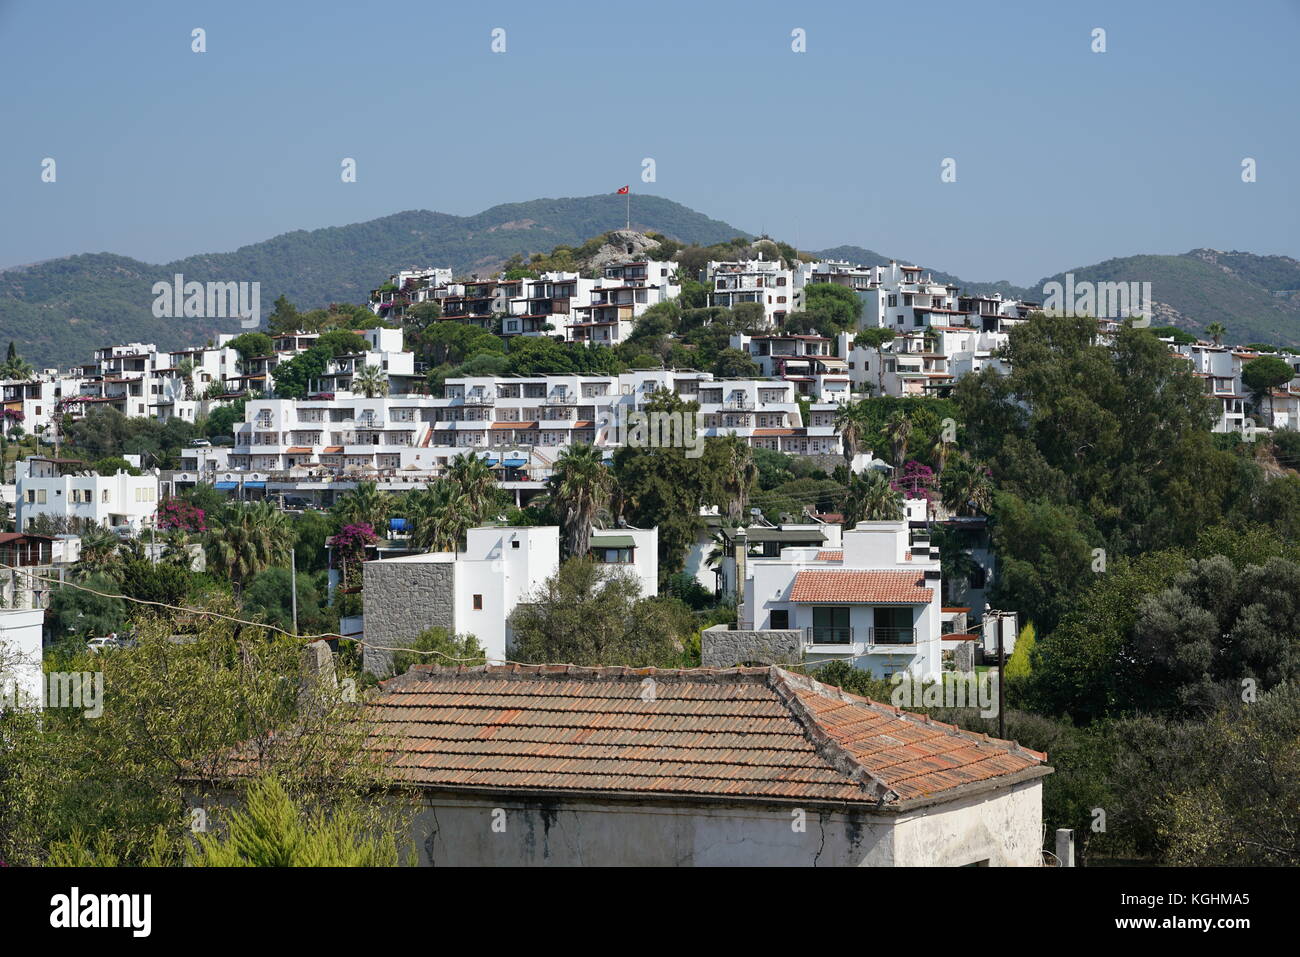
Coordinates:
(966,488)
(365,504)
(99,547)
(737,474)
(939,450)
(871,498)
(475,481)
(185,369)
(16,367)
(371,380)
(847,425)
(255,538)
(1216,331)
(898,432)
(439,516)
(580,487)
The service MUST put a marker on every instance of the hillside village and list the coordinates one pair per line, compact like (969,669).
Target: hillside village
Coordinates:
(780,490)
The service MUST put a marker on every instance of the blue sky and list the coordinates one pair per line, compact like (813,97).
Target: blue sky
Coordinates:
(1064,156)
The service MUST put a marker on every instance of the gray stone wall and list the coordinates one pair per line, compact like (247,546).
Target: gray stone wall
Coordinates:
(723,648)
(402,599)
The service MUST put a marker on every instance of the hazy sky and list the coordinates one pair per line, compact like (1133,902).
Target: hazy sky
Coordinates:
(1064,157)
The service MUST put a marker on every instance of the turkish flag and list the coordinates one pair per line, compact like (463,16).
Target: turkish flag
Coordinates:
(624,189)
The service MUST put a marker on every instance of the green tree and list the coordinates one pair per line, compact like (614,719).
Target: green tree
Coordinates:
(579,487)
(871,498)
(1261,376)
(371,380)
(584,615)
(270,830)
(251,540)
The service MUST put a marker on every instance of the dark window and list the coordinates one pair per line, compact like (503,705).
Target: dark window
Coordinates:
(514,544)
(831,626)
(781,618)
(478,602)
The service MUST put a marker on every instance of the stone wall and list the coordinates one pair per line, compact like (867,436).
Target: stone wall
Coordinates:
(724,648)
(401,600)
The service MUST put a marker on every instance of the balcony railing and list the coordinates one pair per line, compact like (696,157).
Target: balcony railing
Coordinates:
(830,636)
(892,636)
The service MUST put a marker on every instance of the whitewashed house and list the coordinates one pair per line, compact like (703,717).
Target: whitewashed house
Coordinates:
(65,488)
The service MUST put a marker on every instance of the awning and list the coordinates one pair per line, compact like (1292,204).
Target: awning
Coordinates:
(613,541)
(254,485)
(226,486)
(515,463)
(397,525)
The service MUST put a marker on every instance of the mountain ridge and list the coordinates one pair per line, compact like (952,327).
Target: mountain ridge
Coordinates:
(59,310)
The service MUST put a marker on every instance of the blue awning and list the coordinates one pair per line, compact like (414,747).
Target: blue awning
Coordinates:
(226,486)
(397,524)
(254,485)
(515,463)
(490,459)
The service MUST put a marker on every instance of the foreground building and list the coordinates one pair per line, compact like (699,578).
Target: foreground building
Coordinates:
(560,765)
(875,601)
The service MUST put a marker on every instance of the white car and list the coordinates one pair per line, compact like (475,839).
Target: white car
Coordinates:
(98,644)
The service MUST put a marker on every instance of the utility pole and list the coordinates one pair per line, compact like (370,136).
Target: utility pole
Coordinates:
(1002,664)
(293,588)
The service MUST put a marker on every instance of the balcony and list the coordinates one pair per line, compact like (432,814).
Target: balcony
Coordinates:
(818,635)
(480,399)
(891,636)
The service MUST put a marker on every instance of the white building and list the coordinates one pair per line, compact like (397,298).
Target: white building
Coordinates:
(21,676)
(68,489)
(875,602)
(624,292)
(778,290)
(476,591)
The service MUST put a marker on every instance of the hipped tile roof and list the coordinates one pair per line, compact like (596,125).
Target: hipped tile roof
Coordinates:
(751,734)
(860,587)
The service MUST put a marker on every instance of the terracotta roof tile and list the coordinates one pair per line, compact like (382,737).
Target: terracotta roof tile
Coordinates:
(755,734)
(830,555)
(860,587)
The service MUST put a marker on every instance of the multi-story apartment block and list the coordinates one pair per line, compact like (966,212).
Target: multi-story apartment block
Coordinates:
(519,424)
(778,290)
(805,360)
(624,291)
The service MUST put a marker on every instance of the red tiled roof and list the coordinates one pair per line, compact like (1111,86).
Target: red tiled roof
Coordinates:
(853,586)
(830,555)
(298,450)
(332,449)
(752,734)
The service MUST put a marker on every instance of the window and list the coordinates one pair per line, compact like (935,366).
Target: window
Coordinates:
(478,602)
(780,618)
(831,626)
(612,556)
(106,496)
(514,544)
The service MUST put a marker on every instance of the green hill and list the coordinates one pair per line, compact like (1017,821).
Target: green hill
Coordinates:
(60,310)
(1256,297)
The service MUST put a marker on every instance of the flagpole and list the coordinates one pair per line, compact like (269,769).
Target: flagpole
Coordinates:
(629,209)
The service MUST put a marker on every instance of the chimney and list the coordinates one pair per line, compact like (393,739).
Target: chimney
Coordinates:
(318,683)
(1065,846)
